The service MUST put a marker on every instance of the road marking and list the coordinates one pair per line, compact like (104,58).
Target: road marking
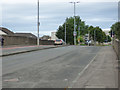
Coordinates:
(83,71)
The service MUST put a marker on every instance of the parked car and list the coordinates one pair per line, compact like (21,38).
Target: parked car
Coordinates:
(59,42)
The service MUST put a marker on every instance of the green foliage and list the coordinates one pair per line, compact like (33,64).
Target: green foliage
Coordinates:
(97,34)
(84,29)
(70,28)
(116,29)
(80,38)
(108,38)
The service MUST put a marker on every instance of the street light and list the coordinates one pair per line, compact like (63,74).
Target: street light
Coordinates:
(79,32)
(74,23)
(88,38)
(65,32)
(38,24)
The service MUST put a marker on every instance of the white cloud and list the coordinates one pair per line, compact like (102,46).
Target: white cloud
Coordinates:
(0,14)
(100,20)
(106,29)
(51,1)
(23,14)
(35,32)
(33,18)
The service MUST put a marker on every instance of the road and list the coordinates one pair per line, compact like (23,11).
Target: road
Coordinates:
(6,51)
(50,68)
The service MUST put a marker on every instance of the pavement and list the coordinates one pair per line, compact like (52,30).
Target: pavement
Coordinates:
(102,72)
(63,67)
(12,50)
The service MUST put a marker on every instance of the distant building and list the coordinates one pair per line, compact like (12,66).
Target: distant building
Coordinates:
(53,36)
(86,37)
(45,37)
(107,32)
(29,35)
(8,32)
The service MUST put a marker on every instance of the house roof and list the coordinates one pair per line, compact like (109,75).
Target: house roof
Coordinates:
(30,35)
(6,31)
(2,33)
(45,37)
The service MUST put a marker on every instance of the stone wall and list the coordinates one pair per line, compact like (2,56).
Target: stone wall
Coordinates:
(20,40)
(116,46)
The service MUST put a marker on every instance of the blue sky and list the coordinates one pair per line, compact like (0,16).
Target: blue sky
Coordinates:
(21,15)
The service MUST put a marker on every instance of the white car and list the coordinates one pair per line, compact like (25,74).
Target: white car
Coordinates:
(59,42)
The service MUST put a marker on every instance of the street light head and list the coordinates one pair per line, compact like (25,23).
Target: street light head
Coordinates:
(74,2)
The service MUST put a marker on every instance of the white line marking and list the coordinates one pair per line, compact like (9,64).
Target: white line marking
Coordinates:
(83,71)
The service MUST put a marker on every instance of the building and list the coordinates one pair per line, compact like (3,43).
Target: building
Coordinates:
(2,33)
(28,35)
(45,37)
(107,32)
(5,31)
(86,37)
(53,36)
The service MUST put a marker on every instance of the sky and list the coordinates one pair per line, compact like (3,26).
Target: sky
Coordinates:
(21,15)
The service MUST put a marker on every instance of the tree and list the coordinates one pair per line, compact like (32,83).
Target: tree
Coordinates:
(108,38)
(80,38)
(116,29)
(97,34)
(70,28)
(81,27)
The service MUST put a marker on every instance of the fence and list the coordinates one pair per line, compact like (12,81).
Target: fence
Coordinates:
(20,40)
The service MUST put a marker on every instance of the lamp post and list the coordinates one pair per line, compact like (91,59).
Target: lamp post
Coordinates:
(38,24)
(74,22)
(88,38)
(79,33)
(65,32)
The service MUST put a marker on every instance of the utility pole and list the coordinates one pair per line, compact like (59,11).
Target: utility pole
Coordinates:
(65,32)
(94,37)
(113,35)
(38,24)
(74,23)
(79,32)
(88,38)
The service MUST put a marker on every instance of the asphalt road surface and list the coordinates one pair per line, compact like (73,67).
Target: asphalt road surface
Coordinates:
(50,68)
